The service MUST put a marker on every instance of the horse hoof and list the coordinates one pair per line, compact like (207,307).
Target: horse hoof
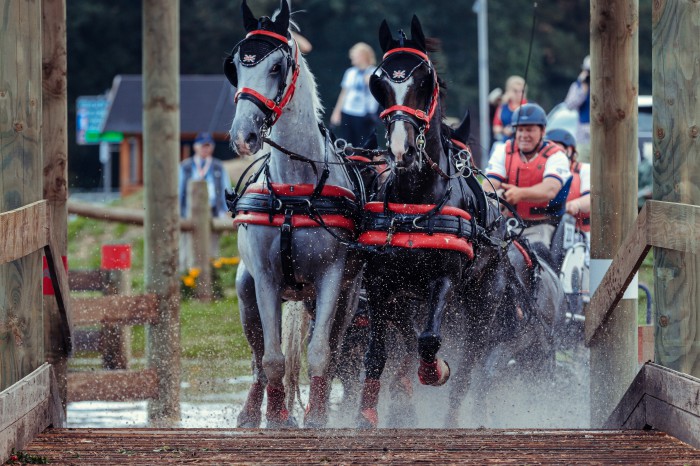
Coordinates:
(368,419)
(434,373)
(248,420)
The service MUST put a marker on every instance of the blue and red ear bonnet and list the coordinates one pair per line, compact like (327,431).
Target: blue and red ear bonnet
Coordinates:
(265,36)
(401,59)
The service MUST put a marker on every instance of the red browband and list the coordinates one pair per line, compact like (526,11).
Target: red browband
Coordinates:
(424,56)
(268,33)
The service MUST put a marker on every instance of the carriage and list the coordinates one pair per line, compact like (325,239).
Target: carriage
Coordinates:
(318,221)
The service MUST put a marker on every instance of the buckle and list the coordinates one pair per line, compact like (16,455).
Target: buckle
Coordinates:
(269,103)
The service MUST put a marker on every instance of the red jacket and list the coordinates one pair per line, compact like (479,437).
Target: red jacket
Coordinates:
(583,221)
(526,174)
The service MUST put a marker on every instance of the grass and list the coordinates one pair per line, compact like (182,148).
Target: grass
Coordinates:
(211,336)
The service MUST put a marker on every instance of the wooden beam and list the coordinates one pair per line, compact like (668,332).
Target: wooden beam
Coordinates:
(59,280)
(116,309)
(627,260)
(24,231)
(115,385)
(121,214)
(26,409)
(674,226)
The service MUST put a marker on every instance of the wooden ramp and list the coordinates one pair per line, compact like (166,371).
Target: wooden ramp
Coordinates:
(345,446)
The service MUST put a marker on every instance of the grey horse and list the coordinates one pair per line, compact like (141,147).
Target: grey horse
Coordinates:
(295,219)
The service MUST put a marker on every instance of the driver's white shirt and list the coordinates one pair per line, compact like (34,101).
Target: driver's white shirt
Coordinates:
(585,175)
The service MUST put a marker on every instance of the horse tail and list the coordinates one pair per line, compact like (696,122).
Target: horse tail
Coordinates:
(295,324)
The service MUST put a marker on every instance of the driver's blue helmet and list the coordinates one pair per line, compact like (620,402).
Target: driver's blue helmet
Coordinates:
(529,114)
(561,136)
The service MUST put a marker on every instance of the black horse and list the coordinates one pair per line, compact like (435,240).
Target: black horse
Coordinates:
(439,241)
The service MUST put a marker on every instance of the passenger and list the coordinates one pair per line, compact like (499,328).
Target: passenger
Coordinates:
(578,203)
(530,171)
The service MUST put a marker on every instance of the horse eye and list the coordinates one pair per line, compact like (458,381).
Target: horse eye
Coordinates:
(275,68)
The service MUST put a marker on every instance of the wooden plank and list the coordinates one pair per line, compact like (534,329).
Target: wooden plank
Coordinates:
(676,76)
(25,410)
(674,226)
(675,388)
(666,417)
(59,279)
(87,280)
(116,214)
(630,402)
(24,231)
(126,310)
(627,260)
(115,385)
(21,329)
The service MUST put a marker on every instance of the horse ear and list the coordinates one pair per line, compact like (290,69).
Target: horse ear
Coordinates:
(385,37)
(250,22)
(417,32)
(282,19)
(461,132)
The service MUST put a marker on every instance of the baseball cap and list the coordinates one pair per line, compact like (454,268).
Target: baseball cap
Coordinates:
(204,138)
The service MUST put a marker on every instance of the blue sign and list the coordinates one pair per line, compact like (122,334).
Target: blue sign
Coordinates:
(90,113)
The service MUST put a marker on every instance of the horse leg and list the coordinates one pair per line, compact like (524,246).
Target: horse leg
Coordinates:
(375,360)
(329,301)
(432,370)
(273,361)
(403,409)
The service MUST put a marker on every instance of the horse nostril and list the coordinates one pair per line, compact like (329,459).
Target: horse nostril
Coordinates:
(251,139)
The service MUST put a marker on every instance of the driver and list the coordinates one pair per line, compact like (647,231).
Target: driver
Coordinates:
(578,203)
(530,171)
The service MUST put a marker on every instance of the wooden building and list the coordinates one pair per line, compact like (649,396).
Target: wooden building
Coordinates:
(206,104)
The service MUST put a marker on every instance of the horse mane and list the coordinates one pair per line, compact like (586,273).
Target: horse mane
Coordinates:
(434,45)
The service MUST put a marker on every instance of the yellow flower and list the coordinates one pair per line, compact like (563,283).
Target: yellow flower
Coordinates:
(194,272)
(218,263)
(188,281)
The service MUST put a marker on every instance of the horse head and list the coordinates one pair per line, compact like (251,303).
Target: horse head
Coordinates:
(263,67)
(406,85)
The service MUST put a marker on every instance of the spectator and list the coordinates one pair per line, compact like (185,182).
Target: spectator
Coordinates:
(513,98)
(579,98)
(355,112)
(202,166)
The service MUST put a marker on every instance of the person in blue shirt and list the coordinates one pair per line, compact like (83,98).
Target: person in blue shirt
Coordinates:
(579,98)
(203,166)
(355,112)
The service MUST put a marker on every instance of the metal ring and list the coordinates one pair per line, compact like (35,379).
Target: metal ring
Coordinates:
(416,226)
(279,204)
(512,223)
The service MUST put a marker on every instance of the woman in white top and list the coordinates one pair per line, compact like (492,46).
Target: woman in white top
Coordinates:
(356,109)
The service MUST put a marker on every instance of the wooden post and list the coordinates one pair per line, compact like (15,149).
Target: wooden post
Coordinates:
(161,144)
(21,166)
(115,339)
(614,85)
(200,214)
(676,73)
(55,145)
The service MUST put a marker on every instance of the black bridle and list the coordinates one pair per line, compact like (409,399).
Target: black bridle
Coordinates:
(271,108)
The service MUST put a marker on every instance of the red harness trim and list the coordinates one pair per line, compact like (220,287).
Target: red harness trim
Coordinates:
(419,241)
(282,189)
(416,209)
(359,158)
(526,256)
(269,103)
(298,221)
(460,144)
